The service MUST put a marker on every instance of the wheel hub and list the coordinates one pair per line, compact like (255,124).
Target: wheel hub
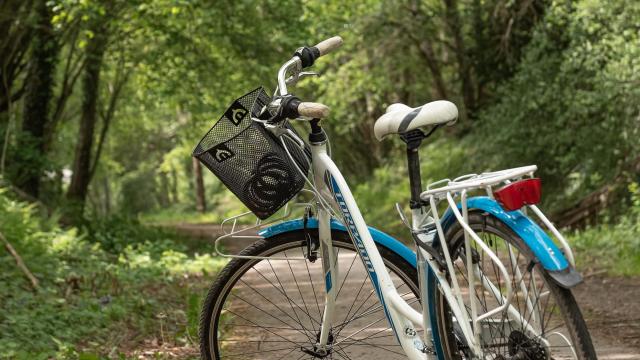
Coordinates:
(318,352)
(522,347)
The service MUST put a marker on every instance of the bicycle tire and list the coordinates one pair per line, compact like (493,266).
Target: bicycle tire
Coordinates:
(212,327)
(482,222)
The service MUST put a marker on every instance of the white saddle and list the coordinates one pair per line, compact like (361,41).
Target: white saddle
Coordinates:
(400,118)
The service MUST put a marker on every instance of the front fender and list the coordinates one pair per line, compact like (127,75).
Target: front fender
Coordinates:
(379,237)
(545,250)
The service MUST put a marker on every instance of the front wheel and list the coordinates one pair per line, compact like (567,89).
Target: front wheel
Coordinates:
(544,321)
(272,309)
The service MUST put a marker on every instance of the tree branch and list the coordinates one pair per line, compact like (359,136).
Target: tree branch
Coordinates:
(20,263)
(119,82)
(72,72)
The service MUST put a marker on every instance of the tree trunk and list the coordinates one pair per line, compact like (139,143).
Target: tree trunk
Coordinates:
(427,51)
(201,205)
(107,196)
(73,67)
(81,177)
(464,66)
(115,90)
(39,91)
(163,195)
(174,186)
(14,44)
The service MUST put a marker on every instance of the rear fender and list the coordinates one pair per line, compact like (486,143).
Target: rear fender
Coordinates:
(545,250)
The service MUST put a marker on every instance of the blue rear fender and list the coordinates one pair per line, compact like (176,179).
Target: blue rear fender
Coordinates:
(545,250)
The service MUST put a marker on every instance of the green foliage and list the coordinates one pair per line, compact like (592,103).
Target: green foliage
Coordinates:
(615,248)
(389,184)
(93,294)
(552,83)
(572,107)
(116,233)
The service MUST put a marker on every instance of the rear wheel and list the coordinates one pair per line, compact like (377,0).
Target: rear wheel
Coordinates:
(556,327)
(272,309)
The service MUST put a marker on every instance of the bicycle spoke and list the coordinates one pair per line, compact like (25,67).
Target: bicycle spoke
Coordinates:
(537,315)
(274,310)
(315,296)
(304,303)
(268,330)
(283,292)
(272,303)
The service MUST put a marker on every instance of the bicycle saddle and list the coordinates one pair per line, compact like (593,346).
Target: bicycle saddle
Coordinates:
(400,118)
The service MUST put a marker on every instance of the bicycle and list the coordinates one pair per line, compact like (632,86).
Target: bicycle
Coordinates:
(485,281)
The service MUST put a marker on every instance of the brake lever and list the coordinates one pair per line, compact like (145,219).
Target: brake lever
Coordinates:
(296,76)
(299,76)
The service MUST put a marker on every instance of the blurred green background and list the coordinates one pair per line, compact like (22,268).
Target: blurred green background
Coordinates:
(102,102)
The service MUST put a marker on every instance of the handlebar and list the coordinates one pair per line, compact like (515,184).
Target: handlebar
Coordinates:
(303,58)
(290,107)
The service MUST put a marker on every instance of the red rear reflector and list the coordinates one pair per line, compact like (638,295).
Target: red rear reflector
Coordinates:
(518,194)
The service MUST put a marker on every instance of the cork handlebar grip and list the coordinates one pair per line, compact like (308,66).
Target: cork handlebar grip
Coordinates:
(327,46)
(313,110)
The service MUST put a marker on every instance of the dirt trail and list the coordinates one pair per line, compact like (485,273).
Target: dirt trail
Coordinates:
(610,305)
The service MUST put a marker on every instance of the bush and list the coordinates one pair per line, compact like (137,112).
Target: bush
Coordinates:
(115,233)
(93,295)
(390,183)
(572,107)
(615,248)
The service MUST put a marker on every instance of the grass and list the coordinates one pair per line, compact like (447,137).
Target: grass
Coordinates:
(115,290)
(178,216)
(611,248)
(614,248)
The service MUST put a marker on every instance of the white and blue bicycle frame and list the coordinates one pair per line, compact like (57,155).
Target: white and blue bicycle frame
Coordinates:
(331,188)
(338,210)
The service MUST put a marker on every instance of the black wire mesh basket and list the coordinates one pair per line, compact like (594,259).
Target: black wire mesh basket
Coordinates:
(250,160)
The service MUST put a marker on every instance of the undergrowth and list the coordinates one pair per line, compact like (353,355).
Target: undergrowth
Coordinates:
(104,292)
(614,248)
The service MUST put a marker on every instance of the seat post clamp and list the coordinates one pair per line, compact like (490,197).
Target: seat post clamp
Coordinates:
(413,138)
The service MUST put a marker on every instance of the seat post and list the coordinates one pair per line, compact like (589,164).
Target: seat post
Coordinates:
(413,139)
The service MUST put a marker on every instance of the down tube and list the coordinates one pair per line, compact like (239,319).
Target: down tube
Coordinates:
(404,331)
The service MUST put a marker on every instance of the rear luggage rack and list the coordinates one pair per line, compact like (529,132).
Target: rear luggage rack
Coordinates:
(460,187)
(514,188)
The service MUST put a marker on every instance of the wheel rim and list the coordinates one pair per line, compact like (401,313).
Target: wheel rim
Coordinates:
(271,309)
(506,336)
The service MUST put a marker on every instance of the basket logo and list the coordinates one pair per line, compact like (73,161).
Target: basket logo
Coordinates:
(236,113)
(222,153)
